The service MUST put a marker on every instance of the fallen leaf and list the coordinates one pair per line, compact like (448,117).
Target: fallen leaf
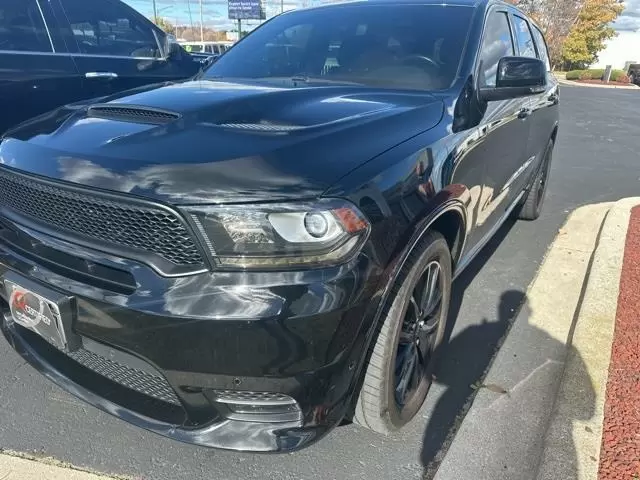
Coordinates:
(588,429)
(494,388)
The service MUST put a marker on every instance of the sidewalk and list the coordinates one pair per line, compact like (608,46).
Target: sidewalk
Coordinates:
(15,466)
(564,81)
(559,403)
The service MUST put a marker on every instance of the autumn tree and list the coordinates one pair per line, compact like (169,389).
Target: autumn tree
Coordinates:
(556,18)
(590,33)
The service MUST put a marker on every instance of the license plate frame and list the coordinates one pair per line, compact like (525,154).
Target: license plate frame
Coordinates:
(45,311)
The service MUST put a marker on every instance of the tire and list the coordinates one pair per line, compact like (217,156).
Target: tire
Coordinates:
(378,407)
(534,199)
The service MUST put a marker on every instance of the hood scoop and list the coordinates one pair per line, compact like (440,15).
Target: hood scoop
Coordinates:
(132,113)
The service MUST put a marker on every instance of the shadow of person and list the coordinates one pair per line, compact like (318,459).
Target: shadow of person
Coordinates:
(465,359)
(524,394)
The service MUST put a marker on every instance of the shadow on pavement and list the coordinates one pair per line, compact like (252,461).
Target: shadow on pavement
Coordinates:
(466,360)
(467,356)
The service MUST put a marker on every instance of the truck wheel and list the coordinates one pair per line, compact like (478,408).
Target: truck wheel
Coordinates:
(409,338)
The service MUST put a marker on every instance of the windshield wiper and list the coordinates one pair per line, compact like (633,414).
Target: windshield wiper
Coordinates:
(304,78)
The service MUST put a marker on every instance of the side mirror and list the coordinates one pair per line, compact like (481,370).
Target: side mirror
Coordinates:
(516,77)
(171,46)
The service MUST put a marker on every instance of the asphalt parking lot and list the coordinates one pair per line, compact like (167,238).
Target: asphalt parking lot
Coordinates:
(596,160)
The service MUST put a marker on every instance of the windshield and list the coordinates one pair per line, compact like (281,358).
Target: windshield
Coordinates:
(389,46)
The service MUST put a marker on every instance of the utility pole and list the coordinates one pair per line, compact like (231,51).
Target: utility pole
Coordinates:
(281,6)
(201,23)
(239,29)
(190,15)
(155,12)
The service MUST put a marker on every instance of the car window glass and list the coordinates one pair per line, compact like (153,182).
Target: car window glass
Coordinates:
(496,44)
(524,38)
(105,28)
(412,46)
(543,52)
(22,28)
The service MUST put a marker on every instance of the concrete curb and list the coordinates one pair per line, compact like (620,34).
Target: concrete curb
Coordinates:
(16,466)
(564,81)
(574,437)
(502,436)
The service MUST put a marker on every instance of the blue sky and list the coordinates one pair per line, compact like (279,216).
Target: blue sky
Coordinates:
(626,46)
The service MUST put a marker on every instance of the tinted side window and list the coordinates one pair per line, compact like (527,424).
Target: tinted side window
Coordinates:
(543,51)
(106,28)
(496,44)
(524,38)
(22,27)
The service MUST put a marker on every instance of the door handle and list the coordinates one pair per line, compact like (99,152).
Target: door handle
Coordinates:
(524,113)
(109,75)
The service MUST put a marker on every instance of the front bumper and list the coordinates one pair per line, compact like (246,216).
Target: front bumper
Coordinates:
(160,354)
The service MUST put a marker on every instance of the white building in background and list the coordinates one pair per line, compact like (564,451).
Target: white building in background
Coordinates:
(624,48)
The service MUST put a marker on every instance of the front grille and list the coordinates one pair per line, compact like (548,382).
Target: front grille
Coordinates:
(132,114)
(138,380)
(89,214)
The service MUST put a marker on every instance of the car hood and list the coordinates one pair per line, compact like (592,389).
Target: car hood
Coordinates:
(220,141)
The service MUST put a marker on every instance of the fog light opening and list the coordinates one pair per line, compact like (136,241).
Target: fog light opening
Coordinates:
(264,407)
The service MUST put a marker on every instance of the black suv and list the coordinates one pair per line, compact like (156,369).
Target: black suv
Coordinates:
(57,52)
(245,259)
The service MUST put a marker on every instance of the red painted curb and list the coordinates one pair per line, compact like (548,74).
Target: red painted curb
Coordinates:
(620,453)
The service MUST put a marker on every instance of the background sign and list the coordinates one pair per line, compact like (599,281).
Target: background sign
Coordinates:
(246,10)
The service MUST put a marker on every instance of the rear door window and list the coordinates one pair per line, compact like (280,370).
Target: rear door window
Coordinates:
(22,27)
(543,51)
(524,37)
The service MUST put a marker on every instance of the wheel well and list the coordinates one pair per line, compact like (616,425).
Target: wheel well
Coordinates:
(450,225)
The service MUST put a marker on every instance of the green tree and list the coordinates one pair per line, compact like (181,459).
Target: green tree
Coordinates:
(589,34)
(165,25)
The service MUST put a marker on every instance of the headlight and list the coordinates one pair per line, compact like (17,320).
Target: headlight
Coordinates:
(281,235)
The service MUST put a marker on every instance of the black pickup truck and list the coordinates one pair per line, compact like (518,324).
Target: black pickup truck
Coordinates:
(57,52)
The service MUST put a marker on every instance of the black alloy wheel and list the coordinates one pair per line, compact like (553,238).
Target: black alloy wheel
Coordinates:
(409,339)
(418,334)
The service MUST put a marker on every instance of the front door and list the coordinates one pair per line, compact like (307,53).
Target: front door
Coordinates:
(116,48)
(36,74)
